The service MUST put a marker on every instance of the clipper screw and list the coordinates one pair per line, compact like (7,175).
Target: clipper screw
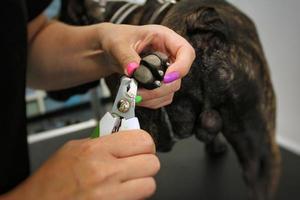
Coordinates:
(123,106)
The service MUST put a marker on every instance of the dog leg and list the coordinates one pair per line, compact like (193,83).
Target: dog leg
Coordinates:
(217,146)
(182,115)
(154,122)
(254,150)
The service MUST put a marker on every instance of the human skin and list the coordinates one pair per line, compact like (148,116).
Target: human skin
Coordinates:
(119,166)
(102,168)
(72,55)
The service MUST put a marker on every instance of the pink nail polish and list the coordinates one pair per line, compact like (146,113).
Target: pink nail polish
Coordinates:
(170,77)
(131,67)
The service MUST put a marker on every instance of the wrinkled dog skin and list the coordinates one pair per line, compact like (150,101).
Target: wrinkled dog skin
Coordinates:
(228,91)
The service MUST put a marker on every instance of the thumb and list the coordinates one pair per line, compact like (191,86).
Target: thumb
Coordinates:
(127,57)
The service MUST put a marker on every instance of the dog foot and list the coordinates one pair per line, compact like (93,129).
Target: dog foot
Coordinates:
(217,147)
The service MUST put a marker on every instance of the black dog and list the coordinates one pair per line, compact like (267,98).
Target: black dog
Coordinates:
(227,92)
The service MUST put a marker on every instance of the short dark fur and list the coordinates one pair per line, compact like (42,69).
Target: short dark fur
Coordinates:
(227,92)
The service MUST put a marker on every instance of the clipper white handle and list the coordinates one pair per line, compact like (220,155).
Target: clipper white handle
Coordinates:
(108,123)
(130,124)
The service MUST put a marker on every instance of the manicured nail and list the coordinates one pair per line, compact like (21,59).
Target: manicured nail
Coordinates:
(131,67)
(170,77)
(138,99)
(95,133)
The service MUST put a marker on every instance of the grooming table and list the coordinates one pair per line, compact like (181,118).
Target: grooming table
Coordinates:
(188,173)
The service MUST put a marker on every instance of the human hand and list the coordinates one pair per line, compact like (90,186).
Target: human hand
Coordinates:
(124,43)
(120,167)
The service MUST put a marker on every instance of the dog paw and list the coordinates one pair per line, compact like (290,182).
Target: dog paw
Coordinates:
(217,147)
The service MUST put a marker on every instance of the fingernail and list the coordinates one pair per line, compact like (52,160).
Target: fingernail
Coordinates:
(138,99)
(170,77)
(95,133)
(131,67)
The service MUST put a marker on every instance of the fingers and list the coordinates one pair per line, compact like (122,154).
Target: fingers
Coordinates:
(159,97)
(125,42)
(127,57)
(164,90)
(139,141)
(158,102)
(136,189)
(178,47)
(185,56)
(140,166)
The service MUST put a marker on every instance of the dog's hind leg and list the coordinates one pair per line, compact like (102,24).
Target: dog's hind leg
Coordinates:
(249,138)
(218,146)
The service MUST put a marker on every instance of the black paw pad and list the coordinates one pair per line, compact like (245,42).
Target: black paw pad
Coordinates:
(152,70)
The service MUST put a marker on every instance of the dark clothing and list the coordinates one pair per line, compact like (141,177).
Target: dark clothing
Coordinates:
(14,162)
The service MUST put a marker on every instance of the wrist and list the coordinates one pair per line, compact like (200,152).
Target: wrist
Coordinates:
(107,39)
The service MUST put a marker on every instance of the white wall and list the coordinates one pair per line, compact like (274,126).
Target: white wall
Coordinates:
(278,24)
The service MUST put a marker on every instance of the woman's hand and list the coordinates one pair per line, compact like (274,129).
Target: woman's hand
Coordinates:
(73,55)
(123,44)
(120,166)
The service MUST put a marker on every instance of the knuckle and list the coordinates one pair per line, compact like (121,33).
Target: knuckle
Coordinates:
(109,44)
(98,175)
(70,143)
(155,163)
(123,56)
(95,195)
(153,107)
(163,28)
(115,43)
(170,101)
(178,86)
(145,136)
(156,93)
(156,107)
(146,139)
(113,171)
(87,147)
(193,53)
(167,103)
(153,30)
(120,57)
(149,187)
(103,173)
(154,34)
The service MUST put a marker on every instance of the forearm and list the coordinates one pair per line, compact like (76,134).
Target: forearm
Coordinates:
(62,56)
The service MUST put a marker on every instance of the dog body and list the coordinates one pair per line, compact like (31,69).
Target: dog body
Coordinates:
(228,91)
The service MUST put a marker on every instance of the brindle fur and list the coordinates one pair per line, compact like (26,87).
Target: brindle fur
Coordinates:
(227,92)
